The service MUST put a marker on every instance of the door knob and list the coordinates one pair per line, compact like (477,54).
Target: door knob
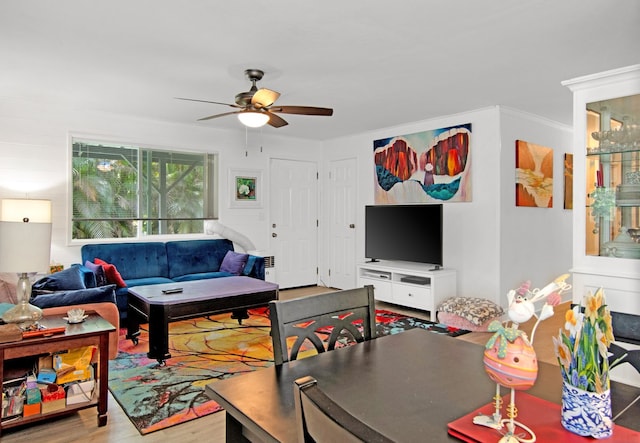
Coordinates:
(352,226)
(274,235)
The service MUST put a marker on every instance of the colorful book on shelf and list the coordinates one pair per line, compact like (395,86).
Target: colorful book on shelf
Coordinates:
(541,416)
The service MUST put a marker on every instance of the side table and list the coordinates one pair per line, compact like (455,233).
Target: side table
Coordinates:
(93,331)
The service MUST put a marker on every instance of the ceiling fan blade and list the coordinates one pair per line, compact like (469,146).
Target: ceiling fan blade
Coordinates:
(276,121)
(207,101)
(303,110)
(263,98)
(218,115)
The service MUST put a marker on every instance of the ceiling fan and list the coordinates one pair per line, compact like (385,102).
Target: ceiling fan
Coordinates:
(256,106)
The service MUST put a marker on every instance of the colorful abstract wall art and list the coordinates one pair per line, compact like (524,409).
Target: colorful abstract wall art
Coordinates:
(534,175)
(568,181)
(424,167)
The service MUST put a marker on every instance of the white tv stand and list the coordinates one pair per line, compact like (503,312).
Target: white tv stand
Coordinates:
(414,285)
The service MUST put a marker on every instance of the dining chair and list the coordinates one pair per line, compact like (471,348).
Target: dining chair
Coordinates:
(626,328)
(319,419)
(333,313)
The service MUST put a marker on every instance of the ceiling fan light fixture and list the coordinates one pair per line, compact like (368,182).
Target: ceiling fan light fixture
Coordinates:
(253,119)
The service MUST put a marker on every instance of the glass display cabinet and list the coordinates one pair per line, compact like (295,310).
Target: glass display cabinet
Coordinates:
(606,187)
(613,178)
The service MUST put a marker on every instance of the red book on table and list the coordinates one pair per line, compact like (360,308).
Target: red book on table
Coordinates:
(541,416)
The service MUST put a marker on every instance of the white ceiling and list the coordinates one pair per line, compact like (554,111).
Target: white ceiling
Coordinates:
(378,63)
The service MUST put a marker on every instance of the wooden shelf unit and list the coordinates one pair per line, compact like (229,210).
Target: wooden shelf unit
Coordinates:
(93,331)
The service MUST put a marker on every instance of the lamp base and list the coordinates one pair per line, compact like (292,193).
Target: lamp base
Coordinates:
(23,313)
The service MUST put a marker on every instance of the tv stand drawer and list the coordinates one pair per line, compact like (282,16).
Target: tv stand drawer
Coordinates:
(381,288)
(413,296)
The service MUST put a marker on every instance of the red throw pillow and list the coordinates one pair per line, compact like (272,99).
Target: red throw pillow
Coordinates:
(113,276)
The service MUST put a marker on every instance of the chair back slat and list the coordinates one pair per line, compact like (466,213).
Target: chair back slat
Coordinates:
(334,311)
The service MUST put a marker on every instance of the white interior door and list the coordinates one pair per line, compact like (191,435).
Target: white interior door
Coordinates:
(294,221)
(342,228)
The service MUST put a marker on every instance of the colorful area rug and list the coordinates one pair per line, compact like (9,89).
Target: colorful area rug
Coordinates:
(204,350)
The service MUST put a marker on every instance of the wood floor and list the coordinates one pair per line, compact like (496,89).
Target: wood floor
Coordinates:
(82,427)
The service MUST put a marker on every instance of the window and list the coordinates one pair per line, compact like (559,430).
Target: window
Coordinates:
(130,191)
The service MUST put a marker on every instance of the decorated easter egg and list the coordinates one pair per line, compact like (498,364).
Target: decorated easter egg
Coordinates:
(511,363)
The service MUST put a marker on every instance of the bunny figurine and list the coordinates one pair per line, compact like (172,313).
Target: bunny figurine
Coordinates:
(509,357)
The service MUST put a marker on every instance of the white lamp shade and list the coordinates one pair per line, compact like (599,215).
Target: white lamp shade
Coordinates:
(25,247)
(25,235)
(15,210)
(253,119)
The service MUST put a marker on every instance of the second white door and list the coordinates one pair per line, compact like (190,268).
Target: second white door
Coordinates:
(342,196)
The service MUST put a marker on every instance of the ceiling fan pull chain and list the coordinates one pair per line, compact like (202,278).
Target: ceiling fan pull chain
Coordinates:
(261,138)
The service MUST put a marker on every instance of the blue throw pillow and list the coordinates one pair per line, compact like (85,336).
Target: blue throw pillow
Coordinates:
(81,296)
(251,261)
(88,276)
(98,270)
(66,279)
(233,262)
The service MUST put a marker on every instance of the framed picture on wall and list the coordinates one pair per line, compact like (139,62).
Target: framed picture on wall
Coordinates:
(424,167)
(245,186)
(534,175)
(568,181)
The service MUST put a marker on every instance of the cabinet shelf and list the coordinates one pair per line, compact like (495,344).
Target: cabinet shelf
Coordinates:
(611,150)
(20,421)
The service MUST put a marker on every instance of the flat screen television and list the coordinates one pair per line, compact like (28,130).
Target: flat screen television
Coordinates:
(410,233)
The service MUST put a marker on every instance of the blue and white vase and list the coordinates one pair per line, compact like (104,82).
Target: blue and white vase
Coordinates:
(586,413)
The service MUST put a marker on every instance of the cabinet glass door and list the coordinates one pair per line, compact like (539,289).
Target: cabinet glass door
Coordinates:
(613,178)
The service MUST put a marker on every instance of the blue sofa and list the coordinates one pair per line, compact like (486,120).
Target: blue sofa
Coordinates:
(148,263)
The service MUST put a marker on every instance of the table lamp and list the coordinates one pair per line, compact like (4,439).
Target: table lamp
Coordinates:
(25,248)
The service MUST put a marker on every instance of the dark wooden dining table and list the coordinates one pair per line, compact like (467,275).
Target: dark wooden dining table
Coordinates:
(408,386)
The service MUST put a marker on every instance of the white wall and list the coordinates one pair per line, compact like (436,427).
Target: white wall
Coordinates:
(35,159)
(471,235)
(492,245)
(536,243)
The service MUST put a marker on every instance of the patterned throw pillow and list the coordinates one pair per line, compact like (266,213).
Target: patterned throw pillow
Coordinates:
(475,310)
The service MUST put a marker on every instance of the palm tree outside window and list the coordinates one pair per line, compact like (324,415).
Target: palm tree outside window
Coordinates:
(123,191)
